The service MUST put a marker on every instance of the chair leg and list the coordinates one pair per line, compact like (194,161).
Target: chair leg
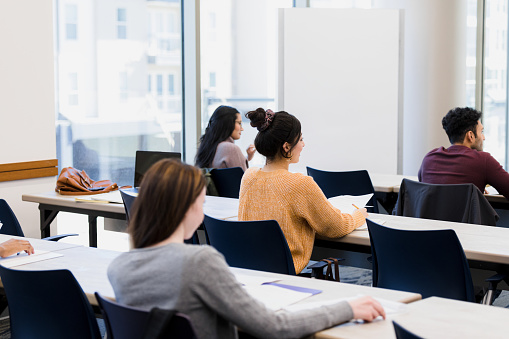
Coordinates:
(488,297)
(492,287)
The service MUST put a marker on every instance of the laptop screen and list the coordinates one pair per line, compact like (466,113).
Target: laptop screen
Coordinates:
(145,159)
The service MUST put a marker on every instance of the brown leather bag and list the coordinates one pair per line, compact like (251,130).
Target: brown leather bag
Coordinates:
(75,182)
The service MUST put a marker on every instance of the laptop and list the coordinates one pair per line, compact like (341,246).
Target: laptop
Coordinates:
(145,159)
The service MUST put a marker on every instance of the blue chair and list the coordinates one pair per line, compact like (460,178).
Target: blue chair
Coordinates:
(256,245)
(227,181)
(125,322)
(431,263)
(345,183)
(9,224)
(47,305)
(129,195)
(402,333)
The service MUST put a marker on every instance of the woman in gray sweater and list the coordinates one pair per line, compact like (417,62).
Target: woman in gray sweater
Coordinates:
(162,271)
(217,148)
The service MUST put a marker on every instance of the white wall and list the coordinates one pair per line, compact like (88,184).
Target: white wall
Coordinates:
(27,114)
(339,75)
(434,72)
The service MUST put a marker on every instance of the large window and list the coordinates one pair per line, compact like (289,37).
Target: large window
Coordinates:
(106,110)
(239,57)
(494,99)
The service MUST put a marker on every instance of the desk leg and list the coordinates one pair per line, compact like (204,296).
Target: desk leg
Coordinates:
(46,217)
(92,231)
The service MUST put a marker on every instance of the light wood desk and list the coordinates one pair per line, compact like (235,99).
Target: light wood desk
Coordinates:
(485,247)
(334,290)
(89,266)
(425,317)
(432,318)
(51,203)
(387,183)
(44,245)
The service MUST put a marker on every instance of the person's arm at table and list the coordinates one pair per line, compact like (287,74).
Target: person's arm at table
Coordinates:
(12,246)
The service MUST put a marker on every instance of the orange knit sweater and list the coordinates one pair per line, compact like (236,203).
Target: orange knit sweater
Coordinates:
(298,205)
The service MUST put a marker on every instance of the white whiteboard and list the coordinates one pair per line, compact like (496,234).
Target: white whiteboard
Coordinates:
(339,73)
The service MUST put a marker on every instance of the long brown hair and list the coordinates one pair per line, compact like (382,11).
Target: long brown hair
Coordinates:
(167,191)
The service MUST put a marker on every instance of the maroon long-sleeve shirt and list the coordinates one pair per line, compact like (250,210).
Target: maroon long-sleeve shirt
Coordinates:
(460,165)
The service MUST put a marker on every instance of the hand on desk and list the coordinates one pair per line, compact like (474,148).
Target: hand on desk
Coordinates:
(12,246)
(366,308)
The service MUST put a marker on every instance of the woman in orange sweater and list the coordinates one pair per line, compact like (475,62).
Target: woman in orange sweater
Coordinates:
(294,200)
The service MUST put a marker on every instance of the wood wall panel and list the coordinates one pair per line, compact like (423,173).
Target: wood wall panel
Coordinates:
(28,170)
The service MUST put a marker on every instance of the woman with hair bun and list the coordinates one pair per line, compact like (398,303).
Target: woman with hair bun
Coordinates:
(294,200)
(217,148)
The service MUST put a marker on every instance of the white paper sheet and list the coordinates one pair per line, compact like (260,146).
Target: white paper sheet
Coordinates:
(275,298)
(22,258)
(390,307)
(252,280)
(491,190)
(346,203)
(110,197)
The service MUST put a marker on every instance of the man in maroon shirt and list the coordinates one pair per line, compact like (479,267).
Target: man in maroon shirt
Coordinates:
(464,161)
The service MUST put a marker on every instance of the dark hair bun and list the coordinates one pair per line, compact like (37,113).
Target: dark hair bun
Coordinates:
(257,117)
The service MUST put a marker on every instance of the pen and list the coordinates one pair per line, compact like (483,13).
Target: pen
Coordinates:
(355,206)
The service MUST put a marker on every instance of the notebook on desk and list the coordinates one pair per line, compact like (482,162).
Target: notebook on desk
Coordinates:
(145,159)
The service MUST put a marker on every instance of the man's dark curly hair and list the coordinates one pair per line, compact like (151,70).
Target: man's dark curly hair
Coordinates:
(459,121)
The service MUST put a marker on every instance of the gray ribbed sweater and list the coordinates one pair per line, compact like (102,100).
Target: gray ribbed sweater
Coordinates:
(196,280)
(229,155)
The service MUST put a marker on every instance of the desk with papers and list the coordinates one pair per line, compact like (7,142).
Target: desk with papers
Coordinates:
(424,317)
(51,203)
(431,318)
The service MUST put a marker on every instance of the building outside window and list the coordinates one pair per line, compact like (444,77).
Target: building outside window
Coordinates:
(238,61)
(121,24)
(107,69)
(71,22)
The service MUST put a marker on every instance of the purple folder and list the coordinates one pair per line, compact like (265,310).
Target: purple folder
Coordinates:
(295,288)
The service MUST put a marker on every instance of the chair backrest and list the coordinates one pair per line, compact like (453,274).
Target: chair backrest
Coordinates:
(128,197)
(9,224)
(227,181)
(455,202)
(430,262)
(345,183)
(126,322)
(47,304)
(257,245)
(403,333)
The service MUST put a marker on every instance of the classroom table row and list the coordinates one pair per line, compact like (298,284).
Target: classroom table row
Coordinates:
(51,203)
(431,317)
(485,246)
